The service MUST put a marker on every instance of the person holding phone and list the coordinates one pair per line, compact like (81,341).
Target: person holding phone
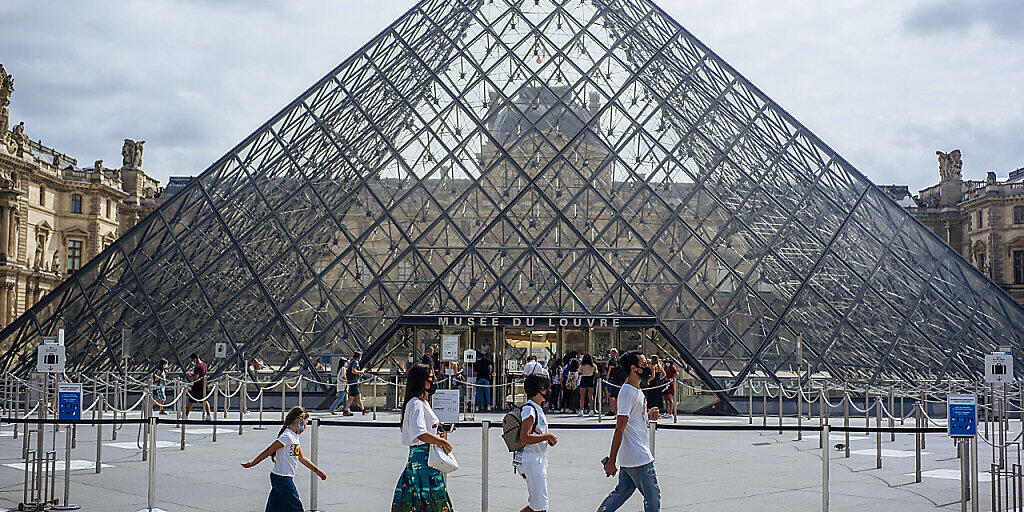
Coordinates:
(630,444)
(421,488)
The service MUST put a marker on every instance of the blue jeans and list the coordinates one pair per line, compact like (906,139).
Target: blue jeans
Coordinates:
(284,497)
(341,400)
(483,395)
(630,479)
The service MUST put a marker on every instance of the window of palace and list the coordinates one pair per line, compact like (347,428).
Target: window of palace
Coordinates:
(1018,266)
(74,255)
(110,209)
(1018,214)
(76,203)
(42,195)
(979,219)
(979,258)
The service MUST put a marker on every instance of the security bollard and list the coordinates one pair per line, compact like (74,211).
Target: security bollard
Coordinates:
(314,448)
(824,471)
(485,427)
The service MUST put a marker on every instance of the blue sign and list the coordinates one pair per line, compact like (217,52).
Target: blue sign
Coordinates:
(962,415)
(69,401)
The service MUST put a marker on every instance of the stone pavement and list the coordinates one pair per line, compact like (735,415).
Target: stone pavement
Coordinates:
(698,470)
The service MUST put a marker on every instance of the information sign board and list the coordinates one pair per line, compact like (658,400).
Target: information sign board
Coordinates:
(50,357)
(998,368)
(963,415)
(446,405)
(449,347)
(69,401)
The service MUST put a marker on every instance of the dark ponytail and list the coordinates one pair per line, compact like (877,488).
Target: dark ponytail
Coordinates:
(293,414)
(416,383)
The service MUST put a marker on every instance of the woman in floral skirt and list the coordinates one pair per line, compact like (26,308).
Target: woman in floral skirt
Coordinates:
(421,487)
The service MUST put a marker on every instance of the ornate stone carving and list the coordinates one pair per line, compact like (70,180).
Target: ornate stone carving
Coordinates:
(131,154)
(55,262)
(950,165)
(18,143)
(6,89)
(98,165)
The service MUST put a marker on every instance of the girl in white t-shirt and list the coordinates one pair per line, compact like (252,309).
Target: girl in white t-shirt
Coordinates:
(534,434)
(421,487)
(286,454)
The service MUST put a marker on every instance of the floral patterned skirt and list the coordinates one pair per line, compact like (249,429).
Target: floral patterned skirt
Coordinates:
(421,488)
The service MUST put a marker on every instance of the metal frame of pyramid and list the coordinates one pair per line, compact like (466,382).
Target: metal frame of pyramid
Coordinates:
(535,157)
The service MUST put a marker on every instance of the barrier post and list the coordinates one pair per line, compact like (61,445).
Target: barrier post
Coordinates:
(652,431)
(375,397)
(283,386)
(821,416)
(99,432)
(216,391)
(780,408)
(66,504)
(924,417)
(17,397)
(800,411)
(147,414)
(917,445)
(675,401)
(485,427)
(314,448)
(298,382)
(764,405)
(243,396)
(260,427)
(974,474)
(599,399)
(846,419)
(824,470)
(750,403)
(878,434)
(965,477)
(151,492)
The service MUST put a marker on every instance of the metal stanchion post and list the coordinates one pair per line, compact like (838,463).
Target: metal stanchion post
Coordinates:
(243,395)
(892,420)
(283,386)
(216,391)
(485,427)
(151,490)
(653,429)
(878,433)
(147,414)
(824,470)
(974,474)
(314,448)
(260,427)
(375,397)
(917,446)
(750,402)
(764,405)
(598,398)
(846,421)
(675,401)
(299,383)
(799,411)
(821,416)
(99,434)
(66,504)
(780,408)
(924,417)
(965,477)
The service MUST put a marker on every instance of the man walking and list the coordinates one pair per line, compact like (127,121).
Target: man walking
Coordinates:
(482,370)
(630,445)
(354,372)
(197,393)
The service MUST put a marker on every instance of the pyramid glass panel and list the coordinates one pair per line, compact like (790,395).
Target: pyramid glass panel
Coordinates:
(497,165)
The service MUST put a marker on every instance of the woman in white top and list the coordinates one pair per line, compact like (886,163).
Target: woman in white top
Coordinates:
(421,487)
(286,454)
(533,433)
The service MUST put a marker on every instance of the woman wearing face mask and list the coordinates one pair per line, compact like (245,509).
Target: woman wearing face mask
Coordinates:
(421,487)
(533,461)
(286,454)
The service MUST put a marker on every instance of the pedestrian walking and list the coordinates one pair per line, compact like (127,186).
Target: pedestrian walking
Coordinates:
(482,368)
(588,383)
(287,455)
(160,384)
(655,385)
(669,394)
(630,443)
(532,460)
(353,374)
(342,389)
(421,488)
(554,400)
(197,392)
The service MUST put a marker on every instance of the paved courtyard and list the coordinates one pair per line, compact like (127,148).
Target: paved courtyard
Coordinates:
(698,470)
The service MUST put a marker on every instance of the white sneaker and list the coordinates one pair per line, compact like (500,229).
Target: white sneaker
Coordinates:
(580,414)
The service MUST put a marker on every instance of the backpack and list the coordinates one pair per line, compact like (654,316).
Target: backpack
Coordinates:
(512,426)
(572,380)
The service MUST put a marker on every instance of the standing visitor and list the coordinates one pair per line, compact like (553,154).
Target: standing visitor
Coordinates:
(482,369)
(421,488)
(669,395)
(533,366)
(630,444)
(353,374)
(286,454)
(556,385)
(197,392)
(571,382)
(616,376)
(613,362)
(160,384)
(430,359)
(588,383)
(342,388)
(656,385)
(533,458)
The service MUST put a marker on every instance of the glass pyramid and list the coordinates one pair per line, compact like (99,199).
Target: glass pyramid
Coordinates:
(534,157)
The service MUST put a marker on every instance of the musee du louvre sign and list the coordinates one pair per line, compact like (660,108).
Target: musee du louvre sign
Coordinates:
(486,320)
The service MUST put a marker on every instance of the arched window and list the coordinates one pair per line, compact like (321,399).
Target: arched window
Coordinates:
(76,203)
(1018,214)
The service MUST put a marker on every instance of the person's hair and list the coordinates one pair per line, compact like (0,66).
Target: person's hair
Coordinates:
(161,364)
(416,383)
(588,360)
(531,358)
(193,355)
(615,350)
(536,383)
(631,358)
(293,414)
(430,348)
(654,359)
(357,354)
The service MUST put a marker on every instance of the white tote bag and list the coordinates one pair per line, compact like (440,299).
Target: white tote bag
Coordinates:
(441,461)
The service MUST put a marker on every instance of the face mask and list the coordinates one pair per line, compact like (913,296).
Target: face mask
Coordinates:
(431,388)
(302,425)
(645,373)
(544,396)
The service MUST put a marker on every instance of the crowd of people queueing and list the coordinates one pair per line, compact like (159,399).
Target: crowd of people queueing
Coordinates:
(422,488)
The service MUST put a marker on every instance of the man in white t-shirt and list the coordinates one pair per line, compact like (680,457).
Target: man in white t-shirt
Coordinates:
(533,458)
(533,367)
(630,443)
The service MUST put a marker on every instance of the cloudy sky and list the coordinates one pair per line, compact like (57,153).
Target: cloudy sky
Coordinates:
(885,83)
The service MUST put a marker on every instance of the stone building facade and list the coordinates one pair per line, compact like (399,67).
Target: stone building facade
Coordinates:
(982,219)
(55,215)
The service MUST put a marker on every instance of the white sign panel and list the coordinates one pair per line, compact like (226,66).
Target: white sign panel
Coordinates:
(50,358)
(469,356)
(220,350)
(998,368)
(446,405)
(449,347)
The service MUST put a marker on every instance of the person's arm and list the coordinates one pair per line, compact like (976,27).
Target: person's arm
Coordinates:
(275,446)
(440,442)
(308,463)
(527,436)
(620,427)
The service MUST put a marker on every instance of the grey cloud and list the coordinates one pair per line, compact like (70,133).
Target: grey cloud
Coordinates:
(987,146)
(1004,18)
